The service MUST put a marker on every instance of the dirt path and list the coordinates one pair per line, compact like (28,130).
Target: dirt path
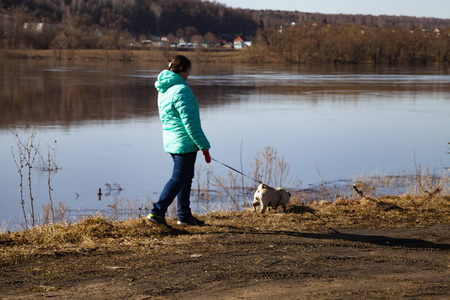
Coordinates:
(402,263)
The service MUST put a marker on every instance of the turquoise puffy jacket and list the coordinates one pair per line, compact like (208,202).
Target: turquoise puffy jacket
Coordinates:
(179,114)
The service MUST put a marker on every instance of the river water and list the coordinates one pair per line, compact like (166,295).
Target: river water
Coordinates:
(329,123)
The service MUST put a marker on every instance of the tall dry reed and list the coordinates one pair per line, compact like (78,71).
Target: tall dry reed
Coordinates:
(25,158)
(28,156)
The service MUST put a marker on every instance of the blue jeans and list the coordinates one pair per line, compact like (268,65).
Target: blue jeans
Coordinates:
(179,185)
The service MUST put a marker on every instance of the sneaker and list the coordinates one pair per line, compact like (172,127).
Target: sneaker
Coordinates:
(160,221)
(193,221)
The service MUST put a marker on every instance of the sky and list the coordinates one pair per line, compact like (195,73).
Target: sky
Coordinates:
(414,8)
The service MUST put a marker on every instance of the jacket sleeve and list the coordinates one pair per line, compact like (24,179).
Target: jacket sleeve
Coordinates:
(187,107)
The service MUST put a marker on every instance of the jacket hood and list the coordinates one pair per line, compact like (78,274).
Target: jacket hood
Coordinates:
(166,79)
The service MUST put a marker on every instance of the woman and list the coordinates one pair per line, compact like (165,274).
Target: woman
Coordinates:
(183,137)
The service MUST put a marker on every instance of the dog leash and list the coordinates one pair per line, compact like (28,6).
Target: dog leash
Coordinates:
(231,168)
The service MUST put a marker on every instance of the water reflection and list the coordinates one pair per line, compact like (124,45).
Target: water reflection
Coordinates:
(33,93)
(68,95)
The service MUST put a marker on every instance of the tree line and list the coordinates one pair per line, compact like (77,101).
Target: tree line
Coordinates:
(138,17)
(285,18)
(351,44)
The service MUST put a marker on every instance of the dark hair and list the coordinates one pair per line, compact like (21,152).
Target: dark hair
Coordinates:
(179,64)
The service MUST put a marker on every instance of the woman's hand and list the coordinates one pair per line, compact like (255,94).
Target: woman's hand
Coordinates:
(207,156)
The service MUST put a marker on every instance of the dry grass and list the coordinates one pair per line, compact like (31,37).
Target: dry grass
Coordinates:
(387,212)
(151,55)
(97,232)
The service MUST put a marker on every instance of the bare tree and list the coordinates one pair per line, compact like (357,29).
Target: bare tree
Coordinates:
(211,39)
(107,42)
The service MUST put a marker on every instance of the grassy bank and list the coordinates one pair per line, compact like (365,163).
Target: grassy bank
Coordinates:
(151,55)
(98,231)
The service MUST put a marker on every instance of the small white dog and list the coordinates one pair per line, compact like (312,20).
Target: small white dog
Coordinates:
(270,197)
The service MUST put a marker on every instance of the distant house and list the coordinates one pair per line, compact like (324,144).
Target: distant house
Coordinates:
(437,32)
(39,28)
(183,42)
(34,27)
(241,42)
(169,39)
(221,42)
(205,44)
(228,46)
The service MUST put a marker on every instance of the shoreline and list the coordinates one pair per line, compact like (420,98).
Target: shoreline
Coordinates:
(150,55)
(243,56)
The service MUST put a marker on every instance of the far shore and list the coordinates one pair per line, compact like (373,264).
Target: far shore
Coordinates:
(227,56)
(147,55)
